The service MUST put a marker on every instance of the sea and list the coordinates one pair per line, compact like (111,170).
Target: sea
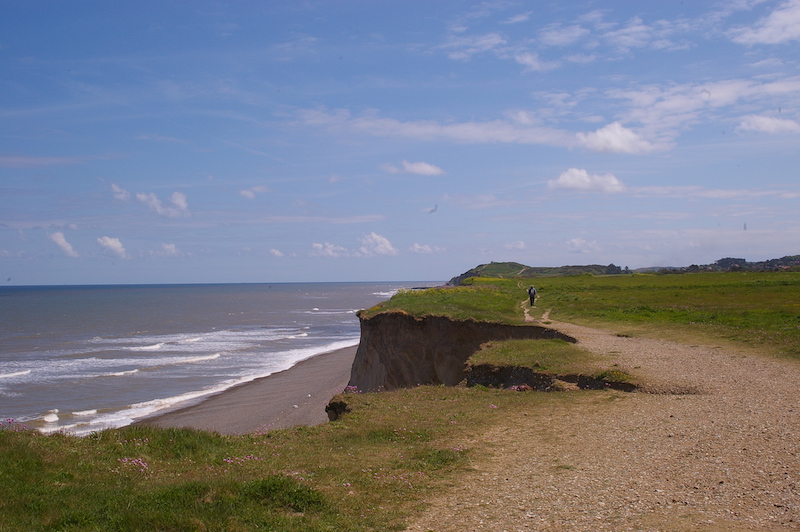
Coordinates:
(81,359)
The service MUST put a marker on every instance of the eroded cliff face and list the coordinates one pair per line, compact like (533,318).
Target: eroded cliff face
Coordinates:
(400,351)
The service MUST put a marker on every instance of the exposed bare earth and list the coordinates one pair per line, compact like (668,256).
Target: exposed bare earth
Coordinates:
(712,443)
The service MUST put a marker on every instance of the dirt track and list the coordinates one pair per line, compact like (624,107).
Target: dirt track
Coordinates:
(712,444)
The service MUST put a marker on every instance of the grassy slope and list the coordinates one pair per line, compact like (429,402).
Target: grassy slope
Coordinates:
(373,468)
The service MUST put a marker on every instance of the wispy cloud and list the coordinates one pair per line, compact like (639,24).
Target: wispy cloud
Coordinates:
(496,131)
(425,249)
(520,128)
(464,47)
(579,245)
(532,62)
(516,19)
(695,191)
(18,161)
(665,111)
(579,179)
(780,26)
(328,250)
(768,124)
(113,246)
(61,242)
(252,192)
(120,193)
(418,168)
(558,35)
(371,244)
(177,207)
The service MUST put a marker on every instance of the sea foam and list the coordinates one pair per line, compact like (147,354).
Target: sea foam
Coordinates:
(15,374)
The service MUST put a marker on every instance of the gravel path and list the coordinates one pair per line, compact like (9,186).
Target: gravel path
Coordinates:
(712,444)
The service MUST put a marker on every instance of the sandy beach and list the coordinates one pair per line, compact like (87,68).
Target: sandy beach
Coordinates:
(296,396)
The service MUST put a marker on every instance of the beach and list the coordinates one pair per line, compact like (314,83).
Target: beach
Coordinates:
(296,396)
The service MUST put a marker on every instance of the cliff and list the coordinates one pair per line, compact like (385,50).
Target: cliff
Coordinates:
(398,350)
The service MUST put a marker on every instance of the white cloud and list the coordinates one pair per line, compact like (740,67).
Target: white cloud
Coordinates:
(579,245)
(120,193)
(61,242)
(496,131)
(666,110)
(179,205)
(579,179)
(178,199)
(657,36)
(556,35)
(660,113)
(112,245)
(251,193)
(169,250)
(418,168)
(615,138)
(635,35)
(463,48)
(375,244)
(532,63)
(581,59)
(522,17)
(518,245)
(768,124)
(328,250)
(780,26)
(276,252)
(694,192)
(425,249)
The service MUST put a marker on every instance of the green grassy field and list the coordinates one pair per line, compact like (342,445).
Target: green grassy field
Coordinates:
(757,310)
(376,466)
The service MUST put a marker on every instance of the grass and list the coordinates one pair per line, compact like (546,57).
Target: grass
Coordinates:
(552,356)
(760,310)
(482,301)
(375,467)
(368,471)
(755,310)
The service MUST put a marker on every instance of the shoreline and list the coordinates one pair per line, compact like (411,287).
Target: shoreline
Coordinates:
(292,397)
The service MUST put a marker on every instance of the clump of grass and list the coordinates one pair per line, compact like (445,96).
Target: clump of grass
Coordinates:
(552,356)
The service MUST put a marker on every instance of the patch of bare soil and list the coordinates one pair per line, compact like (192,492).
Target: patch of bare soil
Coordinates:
(711,443)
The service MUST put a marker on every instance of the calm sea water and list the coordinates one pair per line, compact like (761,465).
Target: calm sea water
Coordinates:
(86,358)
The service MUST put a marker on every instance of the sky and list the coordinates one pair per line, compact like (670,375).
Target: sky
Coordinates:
(347,140)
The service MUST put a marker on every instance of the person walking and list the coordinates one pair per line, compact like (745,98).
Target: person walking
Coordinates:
(532,295)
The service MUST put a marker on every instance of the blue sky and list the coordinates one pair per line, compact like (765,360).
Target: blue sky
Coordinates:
(164,142)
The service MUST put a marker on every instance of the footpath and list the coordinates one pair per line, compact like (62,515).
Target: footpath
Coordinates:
(711,443)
